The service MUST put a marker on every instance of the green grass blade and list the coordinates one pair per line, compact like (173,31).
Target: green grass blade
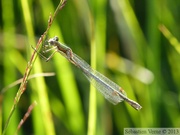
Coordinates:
(41,90)
(10,73)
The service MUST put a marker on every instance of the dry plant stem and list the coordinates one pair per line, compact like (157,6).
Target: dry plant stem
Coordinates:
(30,77)
(31,107)
(31,63)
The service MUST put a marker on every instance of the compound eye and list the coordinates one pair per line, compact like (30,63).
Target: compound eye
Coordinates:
(56,38)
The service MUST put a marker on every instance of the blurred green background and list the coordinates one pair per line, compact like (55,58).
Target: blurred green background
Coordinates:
(121,38)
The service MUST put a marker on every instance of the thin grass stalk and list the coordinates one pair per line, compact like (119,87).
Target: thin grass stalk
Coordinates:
(170,37)
(29,67)
(98,44)
(100,8)
(154,57)
(92,100)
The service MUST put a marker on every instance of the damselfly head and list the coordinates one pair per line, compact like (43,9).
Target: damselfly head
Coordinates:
(52,41)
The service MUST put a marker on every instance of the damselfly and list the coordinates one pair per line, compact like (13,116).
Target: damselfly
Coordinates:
(108,88)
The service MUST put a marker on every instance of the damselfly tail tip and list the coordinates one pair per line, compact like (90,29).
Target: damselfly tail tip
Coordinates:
(134,104)
(137,107)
